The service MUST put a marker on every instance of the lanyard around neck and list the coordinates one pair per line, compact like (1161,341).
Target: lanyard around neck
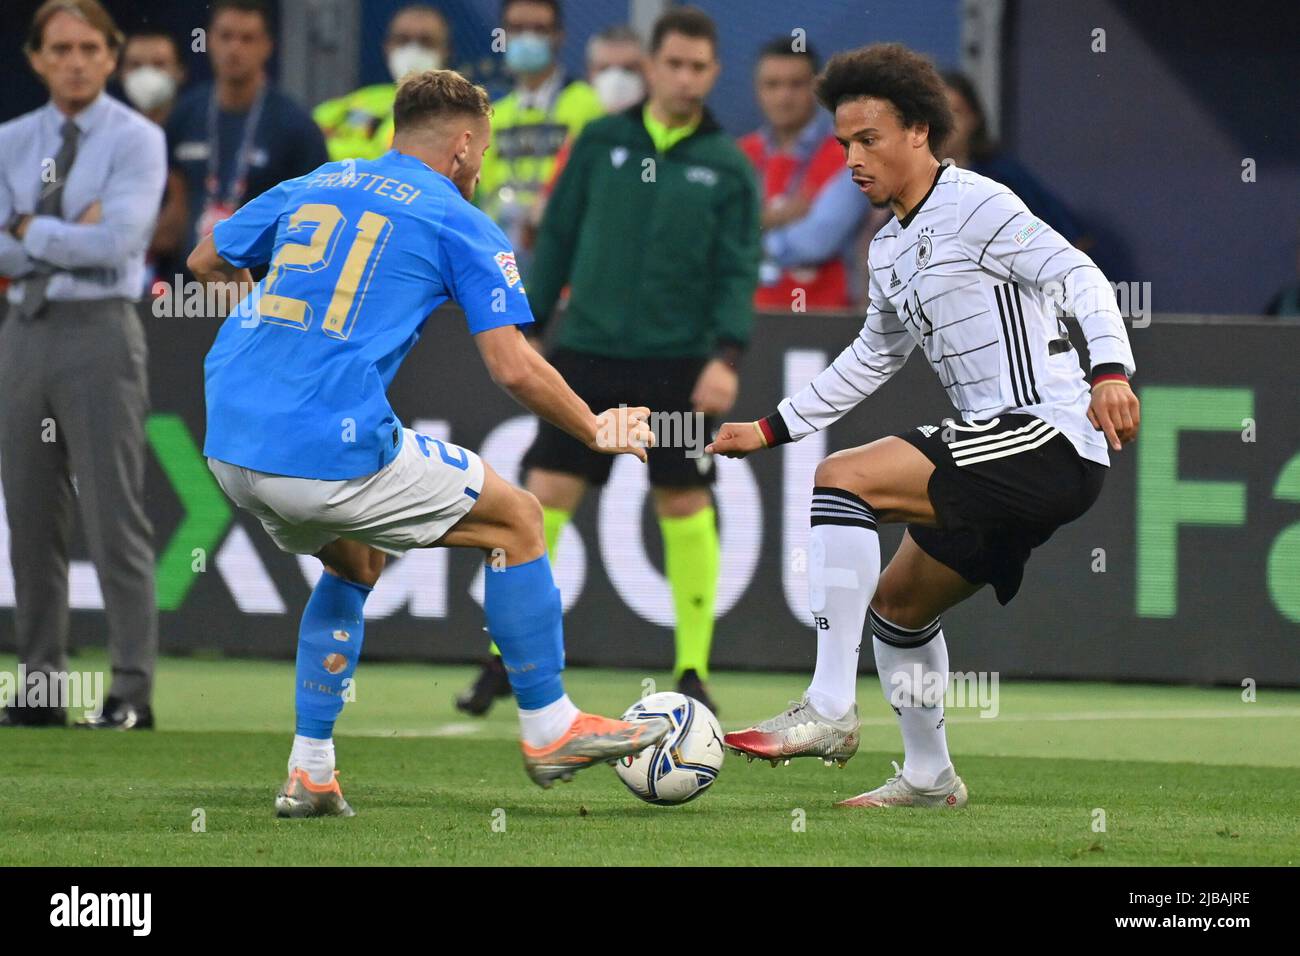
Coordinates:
(243,159)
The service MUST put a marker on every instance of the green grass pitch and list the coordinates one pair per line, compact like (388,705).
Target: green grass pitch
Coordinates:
(1183,776)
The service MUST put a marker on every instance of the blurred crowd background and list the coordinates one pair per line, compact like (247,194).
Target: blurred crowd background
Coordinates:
(1162,141)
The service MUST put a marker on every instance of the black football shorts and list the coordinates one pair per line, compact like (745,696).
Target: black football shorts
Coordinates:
(1000,488)
(663,385)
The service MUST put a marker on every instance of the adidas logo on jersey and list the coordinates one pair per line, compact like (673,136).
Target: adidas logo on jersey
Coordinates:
(893,279)
(927,430)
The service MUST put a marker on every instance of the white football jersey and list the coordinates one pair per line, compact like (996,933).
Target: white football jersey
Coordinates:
(970,276)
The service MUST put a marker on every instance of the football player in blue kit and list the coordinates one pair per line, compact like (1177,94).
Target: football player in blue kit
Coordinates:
(300,432)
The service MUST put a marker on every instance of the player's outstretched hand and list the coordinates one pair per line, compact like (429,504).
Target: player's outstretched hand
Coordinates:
(624,431)
(736,440)
(1115,411)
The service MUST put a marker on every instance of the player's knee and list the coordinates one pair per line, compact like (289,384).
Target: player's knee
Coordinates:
(355,562)
(896,607)
(839,471)
(529,534)
(361,569)
(365,567)
(372,567)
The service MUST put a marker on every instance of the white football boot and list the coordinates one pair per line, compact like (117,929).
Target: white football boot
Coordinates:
(799,732)
(949,791)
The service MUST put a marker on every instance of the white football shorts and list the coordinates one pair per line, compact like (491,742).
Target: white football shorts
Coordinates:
(410,503)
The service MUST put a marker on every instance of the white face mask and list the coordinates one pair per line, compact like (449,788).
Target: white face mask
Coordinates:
(618,88)
(148,87)
(413,58)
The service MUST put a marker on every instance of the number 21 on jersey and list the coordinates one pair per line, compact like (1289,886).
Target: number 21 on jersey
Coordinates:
(325,224)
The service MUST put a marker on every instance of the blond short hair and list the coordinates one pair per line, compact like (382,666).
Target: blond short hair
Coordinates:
(424,98)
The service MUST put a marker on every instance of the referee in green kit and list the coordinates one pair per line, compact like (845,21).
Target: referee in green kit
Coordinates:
(654,226)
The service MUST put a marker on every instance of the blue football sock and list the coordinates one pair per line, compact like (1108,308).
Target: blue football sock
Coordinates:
(526,619)
(329,646)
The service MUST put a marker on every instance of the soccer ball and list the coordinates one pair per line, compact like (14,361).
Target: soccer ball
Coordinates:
(685,763)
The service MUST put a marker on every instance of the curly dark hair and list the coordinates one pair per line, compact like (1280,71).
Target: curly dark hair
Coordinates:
(890,71)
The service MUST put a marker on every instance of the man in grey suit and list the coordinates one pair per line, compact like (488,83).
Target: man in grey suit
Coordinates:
(80,184)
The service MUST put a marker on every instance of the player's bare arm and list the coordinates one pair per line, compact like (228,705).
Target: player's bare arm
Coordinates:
(522,372)
(209,268)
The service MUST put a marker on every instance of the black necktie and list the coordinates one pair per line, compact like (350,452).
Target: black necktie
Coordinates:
(51,204)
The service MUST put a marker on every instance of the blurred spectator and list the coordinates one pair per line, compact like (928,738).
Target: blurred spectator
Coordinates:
(616,68)
(971,147)
(80,182)
(152,72)
(232,139)
(811,209)
(532,122)
(360,125)
(616,71)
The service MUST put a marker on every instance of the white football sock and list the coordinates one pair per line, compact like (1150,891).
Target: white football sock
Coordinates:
(314,756)
(914,679)
(843,568)
(544,726)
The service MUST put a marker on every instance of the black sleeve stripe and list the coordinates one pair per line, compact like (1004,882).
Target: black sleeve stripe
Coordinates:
(902,252)
(801,418)
(846,381)
(981,206)
(1049,259)
(1011,270)
(948,262)
(959,288)
(997,232)
(813,386)
(956,382)
(878,371)
(948,355)
(1081,265)
(975,315)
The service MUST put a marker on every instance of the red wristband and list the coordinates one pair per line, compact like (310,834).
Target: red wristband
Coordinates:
(768,435)
(1112,377)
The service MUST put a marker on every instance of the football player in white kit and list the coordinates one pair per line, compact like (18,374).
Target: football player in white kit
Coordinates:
(967,273)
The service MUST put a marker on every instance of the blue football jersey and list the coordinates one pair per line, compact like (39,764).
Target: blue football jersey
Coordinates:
(360,253)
